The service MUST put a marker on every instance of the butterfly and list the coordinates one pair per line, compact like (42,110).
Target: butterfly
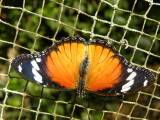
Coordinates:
(74,64)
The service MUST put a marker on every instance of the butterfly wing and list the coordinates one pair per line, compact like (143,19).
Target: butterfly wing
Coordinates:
(55,67)
(110,73)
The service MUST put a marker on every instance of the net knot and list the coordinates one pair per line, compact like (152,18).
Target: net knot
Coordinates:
(125,42)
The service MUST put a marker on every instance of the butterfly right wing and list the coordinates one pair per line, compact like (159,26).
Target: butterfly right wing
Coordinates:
(111,74)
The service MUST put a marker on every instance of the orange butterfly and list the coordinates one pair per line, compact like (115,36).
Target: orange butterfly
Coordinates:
(73,64)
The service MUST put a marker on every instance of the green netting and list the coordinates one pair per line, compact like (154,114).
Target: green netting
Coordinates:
(31,26)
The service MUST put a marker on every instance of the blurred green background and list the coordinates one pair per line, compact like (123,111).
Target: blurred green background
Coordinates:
(28,42)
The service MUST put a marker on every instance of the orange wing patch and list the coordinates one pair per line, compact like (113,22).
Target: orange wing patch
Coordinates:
(53,71)
(67,64)
(66,61)
(105,69)
(57,69)
(107,77)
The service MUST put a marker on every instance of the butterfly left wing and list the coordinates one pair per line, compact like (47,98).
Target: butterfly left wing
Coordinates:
(111,74)
(55,67)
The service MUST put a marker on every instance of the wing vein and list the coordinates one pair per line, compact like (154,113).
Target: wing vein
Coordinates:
(48,69)
(65,68)
(104,70)
(99,63)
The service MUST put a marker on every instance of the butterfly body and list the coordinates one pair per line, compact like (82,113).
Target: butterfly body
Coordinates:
(73,64)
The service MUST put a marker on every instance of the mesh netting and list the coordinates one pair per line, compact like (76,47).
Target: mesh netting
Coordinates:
(31,26)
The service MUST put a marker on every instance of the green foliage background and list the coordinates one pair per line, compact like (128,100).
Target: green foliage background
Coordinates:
(48,28)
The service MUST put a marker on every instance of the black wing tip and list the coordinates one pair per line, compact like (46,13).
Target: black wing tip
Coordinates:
(136,68)
(17,58)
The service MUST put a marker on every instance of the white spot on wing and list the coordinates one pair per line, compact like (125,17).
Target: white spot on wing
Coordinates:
(129,70)
(145,83)
(126,89)
(131,76)
(19,68)
(38,59)
(44,85)
(35,65)
(37,76)
(129,84)
(37,79)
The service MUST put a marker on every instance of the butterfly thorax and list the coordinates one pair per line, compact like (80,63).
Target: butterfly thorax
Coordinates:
(82,72)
